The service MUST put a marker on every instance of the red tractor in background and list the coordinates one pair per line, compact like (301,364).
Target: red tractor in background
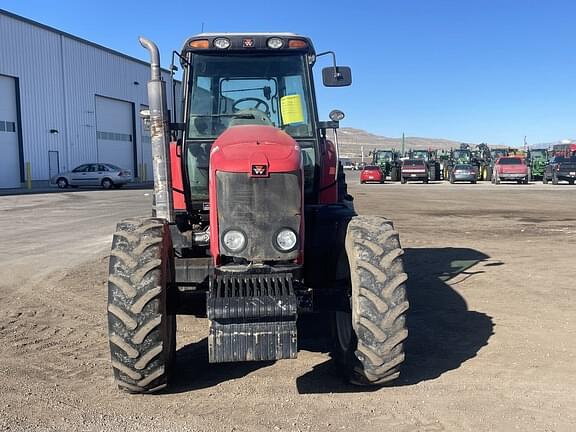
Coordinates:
(252,224)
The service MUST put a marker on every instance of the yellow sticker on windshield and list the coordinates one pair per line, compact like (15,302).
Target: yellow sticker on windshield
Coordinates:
(291,107)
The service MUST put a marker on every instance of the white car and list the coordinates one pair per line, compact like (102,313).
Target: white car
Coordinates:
(93,174)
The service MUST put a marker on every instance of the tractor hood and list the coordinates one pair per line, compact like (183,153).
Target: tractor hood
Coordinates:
(255,149)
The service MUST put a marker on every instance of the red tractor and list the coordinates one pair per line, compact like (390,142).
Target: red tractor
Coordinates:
(252,225)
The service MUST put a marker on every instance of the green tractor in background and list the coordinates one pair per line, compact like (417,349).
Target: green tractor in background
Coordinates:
(389,163)
(482,160)
(537,160)
(430,158)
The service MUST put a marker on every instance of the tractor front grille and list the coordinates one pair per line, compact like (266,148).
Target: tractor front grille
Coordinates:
(259,207)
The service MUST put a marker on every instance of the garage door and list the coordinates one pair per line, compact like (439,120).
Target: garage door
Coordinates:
(10,158)
(115,132)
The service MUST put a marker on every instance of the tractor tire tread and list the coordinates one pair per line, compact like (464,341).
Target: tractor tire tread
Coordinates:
(379,302)
(136,317)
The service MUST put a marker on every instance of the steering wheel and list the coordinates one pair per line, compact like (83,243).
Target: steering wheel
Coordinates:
(258,103)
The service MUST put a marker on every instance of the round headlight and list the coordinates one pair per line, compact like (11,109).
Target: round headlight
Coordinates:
(275,43)
(234,240)
(222,43)
(286,240)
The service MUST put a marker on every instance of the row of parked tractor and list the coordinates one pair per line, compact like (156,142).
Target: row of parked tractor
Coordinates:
(473,163)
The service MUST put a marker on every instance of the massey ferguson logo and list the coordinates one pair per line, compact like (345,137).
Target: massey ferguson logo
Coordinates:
(259,170)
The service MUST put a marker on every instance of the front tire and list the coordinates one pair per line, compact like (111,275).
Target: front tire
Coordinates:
(369,339)
(141,333)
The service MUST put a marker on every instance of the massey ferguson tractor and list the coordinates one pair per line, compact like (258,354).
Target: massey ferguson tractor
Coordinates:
(251,224)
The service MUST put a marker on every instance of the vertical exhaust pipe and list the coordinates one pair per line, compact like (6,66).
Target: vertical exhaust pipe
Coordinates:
(160,136)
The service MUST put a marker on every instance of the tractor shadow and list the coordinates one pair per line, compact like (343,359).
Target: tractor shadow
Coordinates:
(193,372)
(443,333)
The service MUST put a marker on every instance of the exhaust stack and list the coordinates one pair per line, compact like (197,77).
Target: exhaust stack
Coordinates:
(163,206)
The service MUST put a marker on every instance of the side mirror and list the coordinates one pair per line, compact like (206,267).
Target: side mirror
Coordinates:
(337,76)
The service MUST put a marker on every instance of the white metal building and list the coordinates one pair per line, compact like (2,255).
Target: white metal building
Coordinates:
(65,101)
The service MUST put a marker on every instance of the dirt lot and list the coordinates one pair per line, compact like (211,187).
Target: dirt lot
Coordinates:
(492,324)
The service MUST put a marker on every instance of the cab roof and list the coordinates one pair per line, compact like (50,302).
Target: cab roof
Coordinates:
(248,42)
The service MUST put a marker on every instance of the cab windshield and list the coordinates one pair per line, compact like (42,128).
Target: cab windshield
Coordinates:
(234,90)
(384,156)
(461,155)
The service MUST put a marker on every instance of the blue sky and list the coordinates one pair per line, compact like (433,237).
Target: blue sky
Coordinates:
(468,70)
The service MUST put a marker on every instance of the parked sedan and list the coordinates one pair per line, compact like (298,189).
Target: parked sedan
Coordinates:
(371,174)
(93,174)
(464,172)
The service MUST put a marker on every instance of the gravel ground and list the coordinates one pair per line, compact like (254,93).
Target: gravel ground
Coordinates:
(492,324)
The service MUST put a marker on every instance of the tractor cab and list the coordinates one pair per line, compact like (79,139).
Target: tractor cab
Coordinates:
(251,80)
(463,156)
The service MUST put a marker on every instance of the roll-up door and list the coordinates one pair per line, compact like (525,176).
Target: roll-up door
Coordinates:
(115,132)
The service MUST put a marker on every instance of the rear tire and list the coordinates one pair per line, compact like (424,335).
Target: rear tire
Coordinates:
(107,183)
(544,179)
(62,183)
(369,339)
(433,173)
(403,180)
(554,179)
(141,333)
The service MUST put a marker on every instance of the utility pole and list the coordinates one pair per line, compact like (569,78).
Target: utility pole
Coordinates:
(362,151)
(402,149)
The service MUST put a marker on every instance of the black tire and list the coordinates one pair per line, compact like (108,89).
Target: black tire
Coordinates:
(62,183)
(474,181)
(141,333)
(554,179)
(394,174)
(425,181)
(107,183)
(496,179)
(433,172)
(452,179)
(488,175)
(544,179)
(403,180)
(369,339)
(571,182)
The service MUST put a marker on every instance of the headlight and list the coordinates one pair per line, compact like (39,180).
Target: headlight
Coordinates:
(275,43)
(234,240)
(286,240)
(222,43)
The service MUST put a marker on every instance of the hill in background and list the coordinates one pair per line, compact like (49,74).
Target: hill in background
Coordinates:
(352,140)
